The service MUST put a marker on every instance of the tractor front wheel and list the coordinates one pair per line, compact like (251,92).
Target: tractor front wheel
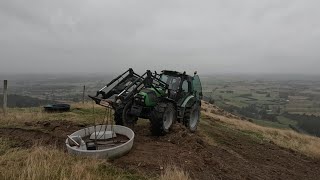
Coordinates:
(162,117)
(128,119)
(192,117)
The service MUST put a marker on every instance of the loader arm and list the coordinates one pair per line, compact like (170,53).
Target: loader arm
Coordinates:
(130,84)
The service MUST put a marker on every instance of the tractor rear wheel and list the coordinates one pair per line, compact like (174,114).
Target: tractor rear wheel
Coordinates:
(162,117)
(192,117)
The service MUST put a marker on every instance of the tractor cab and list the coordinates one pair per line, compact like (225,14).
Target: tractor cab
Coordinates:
(180,85)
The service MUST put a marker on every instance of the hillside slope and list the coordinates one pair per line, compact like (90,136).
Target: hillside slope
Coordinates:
(224,147)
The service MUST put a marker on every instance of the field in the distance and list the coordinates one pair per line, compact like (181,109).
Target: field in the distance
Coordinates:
(275,101)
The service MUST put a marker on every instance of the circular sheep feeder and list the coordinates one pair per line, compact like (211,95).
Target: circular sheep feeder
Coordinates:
(109,141)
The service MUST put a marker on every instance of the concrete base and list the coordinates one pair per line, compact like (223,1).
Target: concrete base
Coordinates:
(113,152)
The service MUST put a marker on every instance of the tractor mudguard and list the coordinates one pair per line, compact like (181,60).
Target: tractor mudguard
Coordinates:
(188,102)
(166,99)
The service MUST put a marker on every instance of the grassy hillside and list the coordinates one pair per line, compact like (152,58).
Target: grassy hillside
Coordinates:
(290,139)
(223,147)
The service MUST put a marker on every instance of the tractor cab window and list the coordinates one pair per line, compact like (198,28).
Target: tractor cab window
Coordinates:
(164,78)
(172,81)
(175,82)
(185,86)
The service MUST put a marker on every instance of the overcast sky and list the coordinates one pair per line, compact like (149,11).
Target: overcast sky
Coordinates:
(273,36)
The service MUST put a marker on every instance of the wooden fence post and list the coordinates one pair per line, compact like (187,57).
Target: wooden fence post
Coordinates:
(5,96)
(83,94)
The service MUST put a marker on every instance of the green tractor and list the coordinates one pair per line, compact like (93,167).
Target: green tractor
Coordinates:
(162,98)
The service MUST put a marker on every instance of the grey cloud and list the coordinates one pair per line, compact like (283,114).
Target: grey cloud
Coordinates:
(208,36)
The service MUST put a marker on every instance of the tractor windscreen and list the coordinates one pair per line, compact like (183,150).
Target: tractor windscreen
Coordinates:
(172,81)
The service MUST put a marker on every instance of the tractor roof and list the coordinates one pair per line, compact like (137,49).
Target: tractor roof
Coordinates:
(173,73)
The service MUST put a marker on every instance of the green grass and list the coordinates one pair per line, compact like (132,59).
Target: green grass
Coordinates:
(270,124)
(286,121)
(211,128)
(253,134)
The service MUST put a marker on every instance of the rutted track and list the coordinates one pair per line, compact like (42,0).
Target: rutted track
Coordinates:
(237,156)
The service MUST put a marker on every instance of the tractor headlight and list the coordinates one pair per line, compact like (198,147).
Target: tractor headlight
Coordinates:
(139,99)
(118,101)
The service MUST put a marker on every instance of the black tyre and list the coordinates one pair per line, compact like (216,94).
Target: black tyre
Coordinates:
(162,117)
(128,119)
(192,117)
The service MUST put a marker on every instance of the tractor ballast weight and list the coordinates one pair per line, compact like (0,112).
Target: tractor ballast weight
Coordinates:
(162,98)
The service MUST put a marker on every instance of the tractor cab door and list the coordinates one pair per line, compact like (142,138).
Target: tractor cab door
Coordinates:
(185,89)
(197,88)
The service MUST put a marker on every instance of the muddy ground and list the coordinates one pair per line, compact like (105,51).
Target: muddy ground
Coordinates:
(235,155)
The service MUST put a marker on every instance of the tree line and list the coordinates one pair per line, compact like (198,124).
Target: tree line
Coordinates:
(308,123)
(15,100)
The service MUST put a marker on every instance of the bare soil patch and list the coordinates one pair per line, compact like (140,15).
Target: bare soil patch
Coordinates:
(46,133)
